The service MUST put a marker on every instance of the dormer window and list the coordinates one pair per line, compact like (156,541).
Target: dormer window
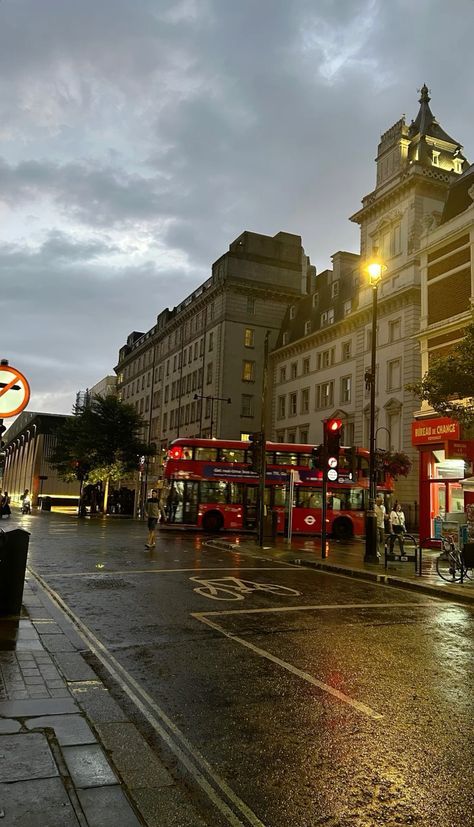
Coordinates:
(315,299)
(435,158)
(307,328)
(334,289)
(457,165)
(286,337)
(292,311)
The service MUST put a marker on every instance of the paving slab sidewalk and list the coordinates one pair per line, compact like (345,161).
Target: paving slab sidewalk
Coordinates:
(69,756)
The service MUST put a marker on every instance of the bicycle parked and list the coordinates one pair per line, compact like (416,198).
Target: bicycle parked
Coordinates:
(451,564)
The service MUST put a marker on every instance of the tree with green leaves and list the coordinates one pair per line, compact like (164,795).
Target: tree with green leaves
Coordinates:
(448,386)
(99,443)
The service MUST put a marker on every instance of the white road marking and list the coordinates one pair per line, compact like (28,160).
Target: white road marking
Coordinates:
(360,707)
(233,588)
(192,759)
(303,608)
(111,572)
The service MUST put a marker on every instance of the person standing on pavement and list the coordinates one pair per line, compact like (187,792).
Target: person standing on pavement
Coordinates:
(152,510)
(380,512)
(397,526)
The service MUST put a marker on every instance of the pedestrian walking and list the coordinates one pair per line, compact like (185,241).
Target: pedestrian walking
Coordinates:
(5,510)
(397,526)
(152,510)
(173,501)
(380,513)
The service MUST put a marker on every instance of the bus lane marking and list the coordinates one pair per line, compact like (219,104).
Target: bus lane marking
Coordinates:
(233,588)
(330,690)
(213,785)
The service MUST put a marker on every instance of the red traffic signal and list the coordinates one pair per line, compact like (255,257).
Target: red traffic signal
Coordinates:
(332,439)
(333,425)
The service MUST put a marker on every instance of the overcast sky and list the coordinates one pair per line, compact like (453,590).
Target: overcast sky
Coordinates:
(138,138)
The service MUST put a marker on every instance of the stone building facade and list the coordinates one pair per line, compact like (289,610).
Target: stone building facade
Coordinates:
(324,351)
(198,370)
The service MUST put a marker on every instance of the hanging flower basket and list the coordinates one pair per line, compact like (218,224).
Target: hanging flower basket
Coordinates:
(396,463)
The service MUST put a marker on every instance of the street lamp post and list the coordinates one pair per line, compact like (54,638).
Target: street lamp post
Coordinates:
(375,270)
(213,399)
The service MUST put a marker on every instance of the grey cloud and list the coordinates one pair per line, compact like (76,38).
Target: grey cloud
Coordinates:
(85,191)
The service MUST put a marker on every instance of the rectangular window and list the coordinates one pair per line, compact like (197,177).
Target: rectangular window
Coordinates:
(248,371)
(294,370)
(165,421)
(292,311)
(211,341)
(201,347)
(325,359)
(346,383)
(394,375)
(346,351)
(167,390)
(315,299)
(209,374)
(394,330)
(281,410)
(305,367)
(347,307)
(335,289)
(285,337)
(307,328)
(246,408)
(208,408)
(283,374)
(327,317)
(196,345)
(304,436)
(250,306)
(249,337)
(292,437)
(293,404)
(304,401)
(325,395)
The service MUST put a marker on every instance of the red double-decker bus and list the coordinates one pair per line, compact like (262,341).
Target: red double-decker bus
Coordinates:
(213,486)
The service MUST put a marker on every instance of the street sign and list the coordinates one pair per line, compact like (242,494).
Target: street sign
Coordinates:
(332,474)
(14,391)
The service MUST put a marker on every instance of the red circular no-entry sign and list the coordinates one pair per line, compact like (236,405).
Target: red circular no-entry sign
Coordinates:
(14,391)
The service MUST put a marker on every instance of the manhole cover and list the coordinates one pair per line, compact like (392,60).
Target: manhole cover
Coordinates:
(107,583)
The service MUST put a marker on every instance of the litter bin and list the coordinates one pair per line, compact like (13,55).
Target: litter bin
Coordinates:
(468,554)
(46,504)
(13,554)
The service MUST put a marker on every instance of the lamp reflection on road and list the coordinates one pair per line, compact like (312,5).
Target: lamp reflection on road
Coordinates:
(374,269)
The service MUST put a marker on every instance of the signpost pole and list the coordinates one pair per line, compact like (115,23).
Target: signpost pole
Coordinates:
(323,517)
(291,491)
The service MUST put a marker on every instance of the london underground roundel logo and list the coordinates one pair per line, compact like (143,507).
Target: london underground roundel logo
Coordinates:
(310,520)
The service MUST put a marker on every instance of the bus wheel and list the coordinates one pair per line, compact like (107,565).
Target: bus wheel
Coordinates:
(212,521)
(342,529)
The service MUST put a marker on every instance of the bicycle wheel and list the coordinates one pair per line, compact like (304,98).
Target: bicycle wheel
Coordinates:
(447,567)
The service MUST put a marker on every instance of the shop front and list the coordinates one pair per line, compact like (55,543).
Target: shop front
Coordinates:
(445,461)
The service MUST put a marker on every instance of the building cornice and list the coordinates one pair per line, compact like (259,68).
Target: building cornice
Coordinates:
(379,201)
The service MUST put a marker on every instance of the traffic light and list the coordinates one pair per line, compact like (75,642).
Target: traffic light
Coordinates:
(332,439)
(258,448)
(317,458)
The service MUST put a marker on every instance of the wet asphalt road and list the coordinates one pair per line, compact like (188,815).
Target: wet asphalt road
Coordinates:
(318,700)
